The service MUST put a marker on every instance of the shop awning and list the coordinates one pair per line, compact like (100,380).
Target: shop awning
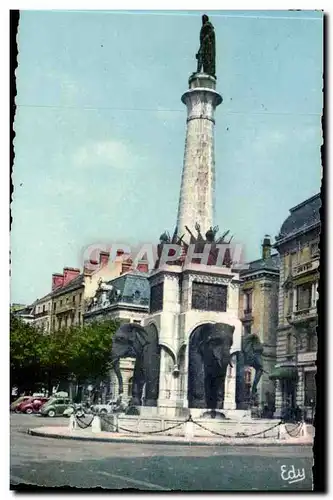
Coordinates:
(284,373)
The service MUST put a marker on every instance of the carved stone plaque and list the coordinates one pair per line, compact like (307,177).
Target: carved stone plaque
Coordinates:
(209,297)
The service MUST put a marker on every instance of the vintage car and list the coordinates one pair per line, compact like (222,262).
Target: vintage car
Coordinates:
(55,407)
(15,404)
(104,408)
(33,406)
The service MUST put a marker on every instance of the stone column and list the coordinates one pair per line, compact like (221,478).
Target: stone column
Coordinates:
(166,381)
(230,389)
(196,202)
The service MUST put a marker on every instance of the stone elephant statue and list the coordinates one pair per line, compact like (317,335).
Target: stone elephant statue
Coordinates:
(250,355)
(209,357)
(133,341)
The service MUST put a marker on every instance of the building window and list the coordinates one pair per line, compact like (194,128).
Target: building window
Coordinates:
(156,298)
(247,376)
(314,249)
(54,306)
(289,344)
(79,318)
(304,296)
(80,297)
(292,262)
(290,301)
(247,329)
(311,342)
(207,297)
(60,303)
(247,302)
(309,388)
(43,308)
(73,299)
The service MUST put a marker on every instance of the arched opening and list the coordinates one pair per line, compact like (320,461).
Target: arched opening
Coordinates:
(208,361)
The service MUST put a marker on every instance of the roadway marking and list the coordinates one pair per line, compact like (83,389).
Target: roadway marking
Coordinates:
(135,481)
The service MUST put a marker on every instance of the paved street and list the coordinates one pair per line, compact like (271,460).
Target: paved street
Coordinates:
(56,462)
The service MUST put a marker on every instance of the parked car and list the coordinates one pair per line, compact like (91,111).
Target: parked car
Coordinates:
(54,407)
(33,406)
(29,399)
(78,409)
(18,401)
(104,409)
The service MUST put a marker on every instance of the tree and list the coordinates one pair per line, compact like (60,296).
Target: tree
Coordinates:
(58,356)
(27,351)
(81,353)
(91,348)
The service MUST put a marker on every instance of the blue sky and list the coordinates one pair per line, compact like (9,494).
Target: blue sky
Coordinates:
(100,129)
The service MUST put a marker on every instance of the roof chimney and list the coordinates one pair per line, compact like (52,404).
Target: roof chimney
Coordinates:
(142,267)
(57,281)
(266,247)
(126,266)
(104,258)
(70,273)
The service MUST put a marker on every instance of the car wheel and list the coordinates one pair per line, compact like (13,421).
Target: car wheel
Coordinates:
(29,411)
(51,413)
(103,412)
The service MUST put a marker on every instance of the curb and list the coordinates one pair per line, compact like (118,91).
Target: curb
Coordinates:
(172,441)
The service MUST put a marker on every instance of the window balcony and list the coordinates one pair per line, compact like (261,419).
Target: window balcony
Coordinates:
(301,315)
(65,308)
(42,314)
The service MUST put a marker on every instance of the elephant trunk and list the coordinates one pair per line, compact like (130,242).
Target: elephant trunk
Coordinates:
(230,360)
(116,368)
(220,357)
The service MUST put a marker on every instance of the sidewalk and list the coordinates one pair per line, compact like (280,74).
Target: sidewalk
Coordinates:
(88,435)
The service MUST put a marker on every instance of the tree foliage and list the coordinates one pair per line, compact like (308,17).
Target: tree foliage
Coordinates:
(79,353)
(27,353)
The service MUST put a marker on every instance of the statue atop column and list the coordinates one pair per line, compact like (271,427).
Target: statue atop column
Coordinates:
(206,53)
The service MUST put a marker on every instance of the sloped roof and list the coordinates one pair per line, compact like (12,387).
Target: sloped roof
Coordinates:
(270,264)
(133,286)
(45,297)
(302,217)
(72,285)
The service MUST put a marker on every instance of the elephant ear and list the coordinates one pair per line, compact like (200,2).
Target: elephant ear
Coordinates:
(141,335)
(225,331)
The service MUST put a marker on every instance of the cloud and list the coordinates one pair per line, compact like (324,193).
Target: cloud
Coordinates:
(114,154)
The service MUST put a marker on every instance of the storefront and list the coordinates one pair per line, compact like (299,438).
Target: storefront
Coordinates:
(286,375)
